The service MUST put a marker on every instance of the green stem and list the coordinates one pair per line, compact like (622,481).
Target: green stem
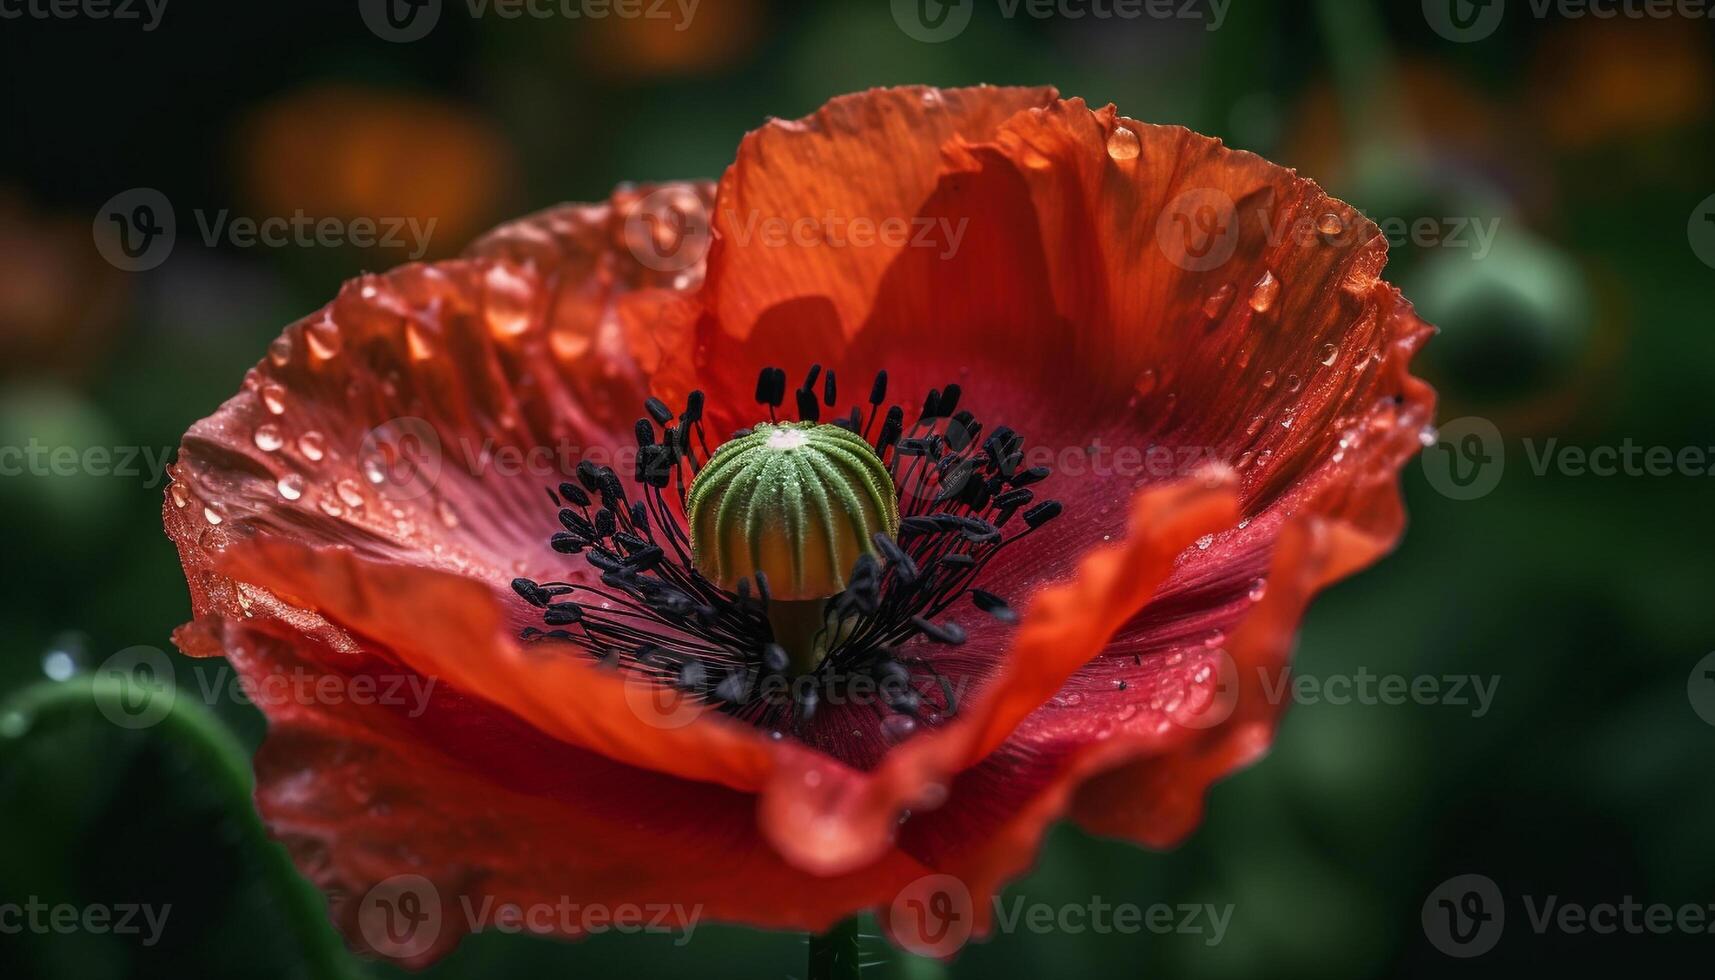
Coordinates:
(193,730)
(800,626)
(834,954)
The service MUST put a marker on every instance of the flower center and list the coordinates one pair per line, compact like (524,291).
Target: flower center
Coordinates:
(794,504)
(812,560)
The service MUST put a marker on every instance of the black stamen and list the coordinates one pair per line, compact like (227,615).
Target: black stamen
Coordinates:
(644,608)
(993,605)
(878,390)
(808,410)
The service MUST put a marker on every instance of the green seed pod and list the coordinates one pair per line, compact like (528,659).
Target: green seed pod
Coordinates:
(796,501)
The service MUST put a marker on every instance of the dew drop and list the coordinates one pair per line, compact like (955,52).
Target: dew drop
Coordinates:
(210,515)
(1255,426)
(569,343)
(280,351)
(1146,382)
(508,302)
(1205,541)
(1123,144)
(1293,383)
(374,468)
(1329,352)
(349,493)
(330,506)
(1265,292)
(324,339)
(1258,588)
(1330,224)
(312,445)
(274,397)
(1268,379)
(449,517)
(291,486)
(1428,436)
(1217,301)
(181,496)
(268,437)
(419,341)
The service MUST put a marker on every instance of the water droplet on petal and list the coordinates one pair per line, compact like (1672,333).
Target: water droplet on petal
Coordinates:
(210,515)
(274,397)
(181,496)
(291,486)
(1329,352)
(1217,301)
(330,506)
(312,445)
(419,341)
(1268,379)
(1330,224)
(1123,144)
(1428,435)
(1264,293)
(507,303)
(349,493)
(1258,587)
(324,339)
(1205,541)
(568,342)
(1293,383)
(268,437)
(1146,382)
(280,351)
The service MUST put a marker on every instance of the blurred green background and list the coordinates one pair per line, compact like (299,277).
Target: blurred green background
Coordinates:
(1584,143)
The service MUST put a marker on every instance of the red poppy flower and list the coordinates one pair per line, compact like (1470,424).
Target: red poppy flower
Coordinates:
(1164,399)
